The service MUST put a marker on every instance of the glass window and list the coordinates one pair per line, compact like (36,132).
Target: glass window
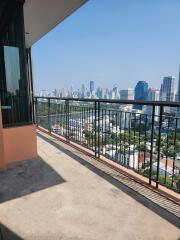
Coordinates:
(15,96)
(12,69)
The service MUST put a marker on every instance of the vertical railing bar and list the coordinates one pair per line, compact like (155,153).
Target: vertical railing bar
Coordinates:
(93,127)
(105,137)
(174,157)
(109,113)
(167,148)
(129,139)
(139,145)
(102,135)
(145,141)
(88,128)
(112,136)
(152,142)
(98,129)
(36,110)
(95,140)
(49,106)
(120,141)
(159,147)
(124,160)
(116,137)
(134,148)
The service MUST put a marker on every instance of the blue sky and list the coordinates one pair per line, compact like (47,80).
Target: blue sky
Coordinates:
(113,42)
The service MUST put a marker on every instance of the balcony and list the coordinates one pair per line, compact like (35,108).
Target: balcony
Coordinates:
(65,194)
(98,174)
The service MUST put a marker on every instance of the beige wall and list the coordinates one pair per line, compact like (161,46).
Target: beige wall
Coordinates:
(17,144)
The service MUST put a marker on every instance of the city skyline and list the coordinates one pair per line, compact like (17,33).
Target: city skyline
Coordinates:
(111,46)
(141,91)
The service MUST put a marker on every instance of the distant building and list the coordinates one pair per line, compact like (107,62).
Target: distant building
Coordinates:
(115,93)
(167,91)
(127,94)
(153,94)
(43,93)
(141,92)
(83,91)
(91,87)
(178,93)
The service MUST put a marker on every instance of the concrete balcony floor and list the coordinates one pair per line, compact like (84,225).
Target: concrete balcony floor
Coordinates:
(62,196)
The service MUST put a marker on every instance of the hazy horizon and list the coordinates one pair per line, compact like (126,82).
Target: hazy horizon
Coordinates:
(116,43)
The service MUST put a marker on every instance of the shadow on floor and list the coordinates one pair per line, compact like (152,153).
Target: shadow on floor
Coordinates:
(138,197)
(27,177)
(7,234)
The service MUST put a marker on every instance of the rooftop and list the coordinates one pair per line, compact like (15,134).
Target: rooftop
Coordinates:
(64,194)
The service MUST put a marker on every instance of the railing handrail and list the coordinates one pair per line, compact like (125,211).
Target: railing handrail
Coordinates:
(118,101)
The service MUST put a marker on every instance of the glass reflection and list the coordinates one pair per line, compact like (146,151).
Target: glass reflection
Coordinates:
(12,69)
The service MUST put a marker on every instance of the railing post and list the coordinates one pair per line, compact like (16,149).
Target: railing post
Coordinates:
(95,127)
(98,154)
(49,111)
(152,143)
(36,111)
(67,118)
(159,147)
(174,157)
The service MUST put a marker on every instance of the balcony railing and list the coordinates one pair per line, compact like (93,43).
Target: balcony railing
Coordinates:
(143,136)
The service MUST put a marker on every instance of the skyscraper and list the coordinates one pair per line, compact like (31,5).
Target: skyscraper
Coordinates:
(83,89)
(91,87)
(167,91)
(178,91)
(178,95)
(99,93)
(115,93)
(153,94)
(141,92)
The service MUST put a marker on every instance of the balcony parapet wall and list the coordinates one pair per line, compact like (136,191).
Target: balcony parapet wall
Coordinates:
(17,143)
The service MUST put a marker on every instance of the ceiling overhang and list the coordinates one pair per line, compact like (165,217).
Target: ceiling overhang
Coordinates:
(41,16)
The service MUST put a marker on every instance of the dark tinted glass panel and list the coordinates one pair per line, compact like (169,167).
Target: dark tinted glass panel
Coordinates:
(14,84)
(12,69)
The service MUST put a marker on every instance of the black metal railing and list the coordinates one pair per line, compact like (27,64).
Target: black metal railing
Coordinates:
(146,141)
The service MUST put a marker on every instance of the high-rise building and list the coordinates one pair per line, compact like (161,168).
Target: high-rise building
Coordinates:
(141,92)
(43,93)
(99,93)
(153,94)
(167,91)
(83,90)
(127,94)
(178,91)
(106,95)
(91,87)
(115,93)
(178,94)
